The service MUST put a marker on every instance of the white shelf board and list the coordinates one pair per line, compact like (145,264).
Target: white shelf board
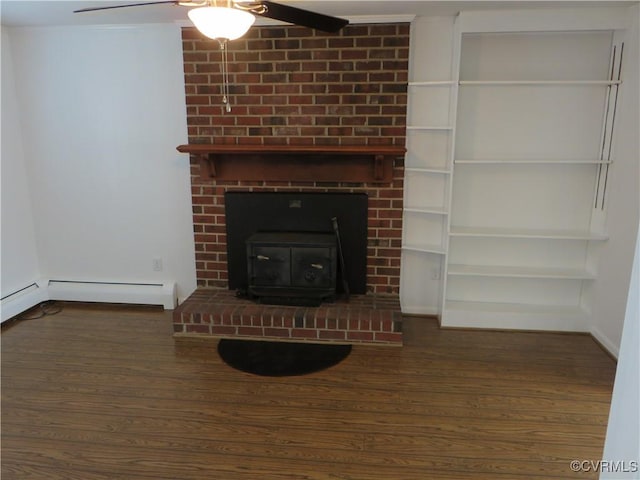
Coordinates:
(455,231)
(427,210)
(433,83)
(520,272)
(437,249)
(538,82)
(512,316)
(429,127)
(512,307)
(528,161)
(439,171)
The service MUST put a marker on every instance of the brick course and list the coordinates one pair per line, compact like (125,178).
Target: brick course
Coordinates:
(219,313)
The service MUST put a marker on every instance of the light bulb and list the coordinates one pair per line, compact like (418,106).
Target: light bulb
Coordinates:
(221,22)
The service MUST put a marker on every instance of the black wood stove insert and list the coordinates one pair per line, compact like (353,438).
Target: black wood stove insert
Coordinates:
(286,267)
(282,247)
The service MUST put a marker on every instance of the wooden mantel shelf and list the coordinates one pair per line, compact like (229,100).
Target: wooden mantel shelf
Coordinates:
(296,163)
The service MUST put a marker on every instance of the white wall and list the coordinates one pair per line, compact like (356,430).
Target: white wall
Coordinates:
(623,431)
(622,445)
(103,109)
(19,256)
(614,267)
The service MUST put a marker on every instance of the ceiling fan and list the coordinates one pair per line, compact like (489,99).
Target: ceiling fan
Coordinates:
(225,20)
(230,10)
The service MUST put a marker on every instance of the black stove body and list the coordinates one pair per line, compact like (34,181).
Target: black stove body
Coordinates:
(292,267)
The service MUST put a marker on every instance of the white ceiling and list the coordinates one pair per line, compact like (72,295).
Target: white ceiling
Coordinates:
(58,12)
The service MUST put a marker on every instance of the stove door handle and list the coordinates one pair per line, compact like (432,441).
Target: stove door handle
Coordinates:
(263,257)
(317,266)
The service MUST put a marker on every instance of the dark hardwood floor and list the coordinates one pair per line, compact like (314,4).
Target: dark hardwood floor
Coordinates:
(99,392)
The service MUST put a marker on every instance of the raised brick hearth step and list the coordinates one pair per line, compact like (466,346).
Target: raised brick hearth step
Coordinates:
(219,313)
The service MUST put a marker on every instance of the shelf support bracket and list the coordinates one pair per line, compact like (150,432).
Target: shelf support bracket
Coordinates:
(207,165)
(378,167)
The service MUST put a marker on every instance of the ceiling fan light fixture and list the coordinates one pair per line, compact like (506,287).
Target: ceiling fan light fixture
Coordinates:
(221,23)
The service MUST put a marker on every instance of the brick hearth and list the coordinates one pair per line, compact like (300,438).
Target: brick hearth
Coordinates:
(219,313)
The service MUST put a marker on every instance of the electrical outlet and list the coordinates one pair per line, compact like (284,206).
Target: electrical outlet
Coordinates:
(435,273)
(157,264)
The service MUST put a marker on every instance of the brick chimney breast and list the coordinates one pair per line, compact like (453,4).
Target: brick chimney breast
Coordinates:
(299,87)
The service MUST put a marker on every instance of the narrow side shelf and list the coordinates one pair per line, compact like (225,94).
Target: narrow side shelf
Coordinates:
(435,171)
(435,249)
(429,127)
(427,210)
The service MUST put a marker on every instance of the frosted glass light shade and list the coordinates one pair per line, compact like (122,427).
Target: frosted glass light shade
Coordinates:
(221,22)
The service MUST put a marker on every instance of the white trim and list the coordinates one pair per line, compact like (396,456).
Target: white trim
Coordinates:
(606,343)
(23,299)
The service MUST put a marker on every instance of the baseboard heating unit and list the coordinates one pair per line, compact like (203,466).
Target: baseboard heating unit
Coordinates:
(44,290)
(114,292)
(23,299)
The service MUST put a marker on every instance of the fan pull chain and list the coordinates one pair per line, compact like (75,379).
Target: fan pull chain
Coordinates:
(226,94)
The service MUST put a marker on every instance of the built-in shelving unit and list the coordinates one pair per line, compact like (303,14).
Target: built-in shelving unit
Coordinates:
(428,167)
(532,134)
(509,153)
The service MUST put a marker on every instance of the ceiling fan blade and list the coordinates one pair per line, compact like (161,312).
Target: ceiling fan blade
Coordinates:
(301,17)
(93,9)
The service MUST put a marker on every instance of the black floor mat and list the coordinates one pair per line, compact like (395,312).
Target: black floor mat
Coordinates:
(280,359)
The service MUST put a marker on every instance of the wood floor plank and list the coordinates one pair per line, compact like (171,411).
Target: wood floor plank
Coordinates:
(100,392)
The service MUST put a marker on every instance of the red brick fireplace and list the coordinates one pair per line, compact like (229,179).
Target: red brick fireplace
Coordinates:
(298,94)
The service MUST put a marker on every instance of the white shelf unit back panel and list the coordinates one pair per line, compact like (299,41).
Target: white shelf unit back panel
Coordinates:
(421,283)
(429,106)
(424,229)
(550,121)
(431,49)
(518,252)
(428,149)
(425,190)
(535,56)
(559,197)
(559,293)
